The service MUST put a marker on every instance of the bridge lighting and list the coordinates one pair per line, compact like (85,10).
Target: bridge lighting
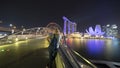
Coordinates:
(38,28)
(102,36)
(24,29)
(14,27)
(2,50)
(5,34)
(16,39)
(26,38)
(22,32)
(12,31)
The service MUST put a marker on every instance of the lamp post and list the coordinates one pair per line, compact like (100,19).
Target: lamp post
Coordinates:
(12,27)
(12,31)
(38,29)
(23,30)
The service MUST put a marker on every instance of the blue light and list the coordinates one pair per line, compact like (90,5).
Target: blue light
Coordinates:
(95,46)
(95,32)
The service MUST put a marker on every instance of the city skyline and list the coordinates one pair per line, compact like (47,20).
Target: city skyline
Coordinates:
(40,13)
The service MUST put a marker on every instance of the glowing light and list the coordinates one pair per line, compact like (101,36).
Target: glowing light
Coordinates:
(77,41)
(38,28)
(24,29)
(107,25)
(111,31)
(14,27)
(76,35)
(86,35)
(11,25)
(97,31)
(114,26)
(69,41)
(16,39)
(12,31)
(102,36)
(97,36)
(82,38)
(82,66)
(95,46)
(2,50)
(26,38)
(69,26)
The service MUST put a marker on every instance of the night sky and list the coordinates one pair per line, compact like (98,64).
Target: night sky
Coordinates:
(85,13)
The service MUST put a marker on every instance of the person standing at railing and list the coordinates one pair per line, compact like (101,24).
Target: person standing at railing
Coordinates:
(53,48)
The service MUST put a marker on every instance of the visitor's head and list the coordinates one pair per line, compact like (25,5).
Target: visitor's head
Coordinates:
(57,31)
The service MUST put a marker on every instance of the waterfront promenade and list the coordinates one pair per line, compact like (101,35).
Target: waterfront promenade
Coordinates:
(24,54)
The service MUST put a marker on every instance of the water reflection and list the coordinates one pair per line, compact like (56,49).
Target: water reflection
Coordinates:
(95,46)
(100,49)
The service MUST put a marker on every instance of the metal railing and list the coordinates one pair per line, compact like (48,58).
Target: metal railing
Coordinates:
(71,59)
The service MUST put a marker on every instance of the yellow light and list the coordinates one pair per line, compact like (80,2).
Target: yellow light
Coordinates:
(16,39)
(82,66)
(82,38)
(2,50)
(17,43)
(26,38)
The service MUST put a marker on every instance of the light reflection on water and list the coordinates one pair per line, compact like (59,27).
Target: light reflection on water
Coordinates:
(97,49)
(95,46)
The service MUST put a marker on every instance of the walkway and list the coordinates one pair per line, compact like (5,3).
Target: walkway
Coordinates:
(24,54)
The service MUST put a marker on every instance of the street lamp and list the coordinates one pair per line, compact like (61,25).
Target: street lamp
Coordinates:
(11,25)
(12,31)
(23,31)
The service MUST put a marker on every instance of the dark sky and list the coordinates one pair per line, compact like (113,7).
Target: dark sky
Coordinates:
(85,13)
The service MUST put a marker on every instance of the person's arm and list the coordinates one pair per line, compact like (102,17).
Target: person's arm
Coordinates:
(59,38)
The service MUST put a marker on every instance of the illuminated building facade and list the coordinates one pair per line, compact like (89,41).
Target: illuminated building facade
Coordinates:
(96,32)
(69,27)
(111,30)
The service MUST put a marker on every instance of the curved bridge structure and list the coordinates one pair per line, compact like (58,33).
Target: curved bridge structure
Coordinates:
(36,32)
(25,34)
(35,48)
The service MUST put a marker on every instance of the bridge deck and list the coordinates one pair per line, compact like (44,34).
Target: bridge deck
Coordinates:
(24,54)
(34,60)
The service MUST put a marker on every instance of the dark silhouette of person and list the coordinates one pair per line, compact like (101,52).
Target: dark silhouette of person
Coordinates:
(52,50)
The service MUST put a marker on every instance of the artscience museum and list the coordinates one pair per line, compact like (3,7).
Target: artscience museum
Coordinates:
(95,32)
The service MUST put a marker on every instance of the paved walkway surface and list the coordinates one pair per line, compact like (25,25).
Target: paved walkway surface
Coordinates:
(25,54)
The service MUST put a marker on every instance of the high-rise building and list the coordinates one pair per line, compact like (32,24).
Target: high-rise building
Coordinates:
(110,30)
(69,27)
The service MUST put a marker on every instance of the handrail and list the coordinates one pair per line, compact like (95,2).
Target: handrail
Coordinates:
(69,60)
(64,52)
(88,62)
(69,57)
